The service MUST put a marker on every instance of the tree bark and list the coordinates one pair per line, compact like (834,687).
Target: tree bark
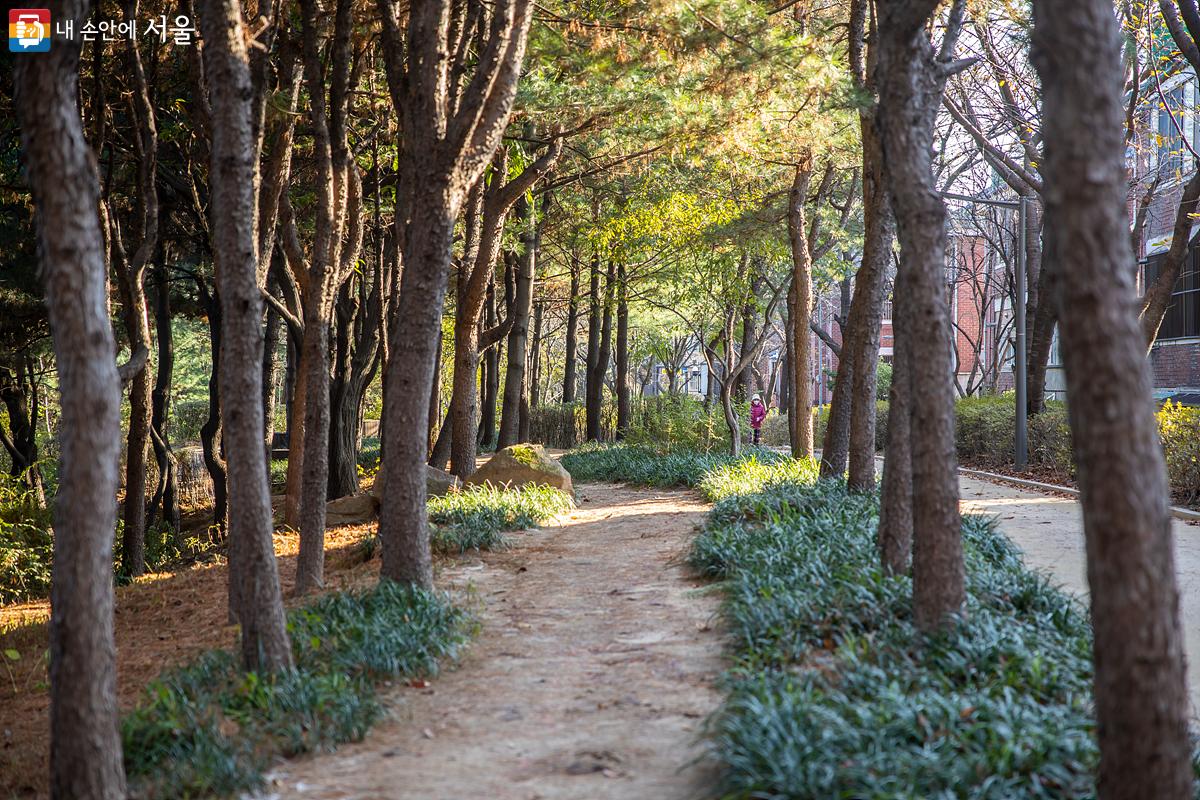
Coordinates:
(801,310)
(912,77)
(865,320)
(896,493)
(1141,683)
(518,335)
(210,431)
(166,492)
(448,141)
(258,600)
(85,743)
(622,362)
(403,525)
(572,346)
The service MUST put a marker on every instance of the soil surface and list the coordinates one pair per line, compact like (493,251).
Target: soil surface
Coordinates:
(591,677)
(1049,528)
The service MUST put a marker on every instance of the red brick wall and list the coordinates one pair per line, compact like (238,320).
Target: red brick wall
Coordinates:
(1176,363)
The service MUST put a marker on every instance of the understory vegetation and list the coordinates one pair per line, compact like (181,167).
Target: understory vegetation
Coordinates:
(477,518)
(833,692)
(642,465)
(210,729)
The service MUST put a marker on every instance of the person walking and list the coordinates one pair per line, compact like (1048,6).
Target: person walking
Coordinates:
(758,412)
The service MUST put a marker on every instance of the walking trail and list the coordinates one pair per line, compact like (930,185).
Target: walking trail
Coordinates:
(1050,531)
(592,674)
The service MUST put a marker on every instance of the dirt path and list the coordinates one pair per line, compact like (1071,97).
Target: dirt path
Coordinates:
(590,679)
(1050,531)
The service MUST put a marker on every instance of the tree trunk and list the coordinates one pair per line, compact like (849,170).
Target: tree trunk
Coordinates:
(443,445)
(518,336)
(314,483)
(166,492)
(623,352)
(491,373)
(1141,695)
(593,388)
(569,379)
(912,77)
(535,357)
(258,600)
(865,319)
(270,370)
(210,431)
(801,311)
(896,498)
(296,416)
(85,743)
(403,522)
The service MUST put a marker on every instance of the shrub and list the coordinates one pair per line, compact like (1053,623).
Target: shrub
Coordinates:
(834,693)
(26,543)
(210,729)
(477,518)
(1179,427)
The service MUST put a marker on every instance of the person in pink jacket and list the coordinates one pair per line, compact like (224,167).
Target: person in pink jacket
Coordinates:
(758,412)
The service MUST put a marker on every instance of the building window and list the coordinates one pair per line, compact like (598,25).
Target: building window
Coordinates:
(1172,127)
(1182,320)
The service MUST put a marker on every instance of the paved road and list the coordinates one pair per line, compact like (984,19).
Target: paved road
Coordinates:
(1050,531)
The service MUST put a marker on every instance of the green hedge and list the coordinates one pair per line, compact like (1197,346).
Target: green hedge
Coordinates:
(985,430)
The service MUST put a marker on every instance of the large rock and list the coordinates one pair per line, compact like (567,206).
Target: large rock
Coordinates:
(523,464)
(356,509)
(437,482)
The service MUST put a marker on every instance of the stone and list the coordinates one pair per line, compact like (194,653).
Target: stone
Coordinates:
(355,509)
(437,483)
(523,464)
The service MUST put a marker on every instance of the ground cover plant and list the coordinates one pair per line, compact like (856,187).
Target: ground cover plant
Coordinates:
(478,517)
(210,729)
(833,693)
(644,466)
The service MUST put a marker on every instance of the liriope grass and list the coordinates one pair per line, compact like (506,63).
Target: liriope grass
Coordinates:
(643,466)
(478,517)
(834,694)
(209,729)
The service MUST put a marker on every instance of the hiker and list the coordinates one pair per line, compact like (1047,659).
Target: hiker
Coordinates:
(758,412)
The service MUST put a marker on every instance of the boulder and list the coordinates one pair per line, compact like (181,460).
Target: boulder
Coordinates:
(523,464)
(356,509)
(437,483)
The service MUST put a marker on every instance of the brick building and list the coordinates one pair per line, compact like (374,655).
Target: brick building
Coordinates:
(1165,143)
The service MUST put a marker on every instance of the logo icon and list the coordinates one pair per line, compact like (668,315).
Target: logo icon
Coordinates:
(29,30)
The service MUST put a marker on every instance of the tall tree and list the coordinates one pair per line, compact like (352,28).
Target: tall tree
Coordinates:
(473,274)
(257,599)
(1141,682)
(85,745)
(912,77)
(451,127)
(800,309)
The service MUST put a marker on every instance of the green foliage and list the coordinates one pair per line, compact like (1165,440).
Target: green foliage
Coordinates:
(26,543)
(883,380)
(834,693)
(643,466)
(476,519)
(210,729)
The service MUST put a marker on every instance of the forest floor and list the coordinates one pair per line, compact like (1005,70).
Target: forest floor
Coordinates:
(592,675)
(593,671)
(1049,529)
(161,620)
